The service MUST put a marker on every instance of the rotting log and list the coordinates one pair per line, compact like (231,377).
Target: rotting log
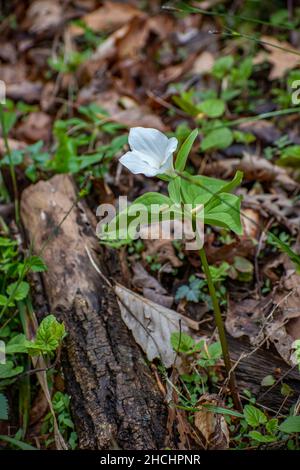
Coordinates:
(115,401)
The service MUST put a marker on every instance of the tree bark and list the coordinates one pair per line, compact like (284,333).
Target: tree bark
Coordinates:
(115,401)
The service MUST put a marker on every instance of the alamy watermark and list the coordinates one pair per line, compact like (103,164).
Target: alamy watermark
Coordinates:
(151,222)
(2,92)
(2,353)
(296,94)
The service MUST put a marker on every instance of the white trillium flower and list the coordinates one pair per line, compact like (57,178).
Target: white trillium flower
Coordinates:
(151,152)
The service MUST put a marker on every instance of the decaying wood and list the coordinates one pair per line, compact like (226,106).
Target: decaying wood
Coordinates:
(115,401)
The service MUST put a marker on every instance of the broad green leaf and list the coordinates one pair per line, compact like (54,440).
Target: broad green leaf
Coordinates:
(257,436)
(268,381)
(222,66)
(113,232)
(223,210)
(185,150)
(19,291)
(37,264)
(206,187)
(174,189)
(217,139)
(49,335)
(290,425)
(272,425)
(181,342)
(254,416)
(17,344)
(290,156)
(8,370)
(4,301)
(213,107)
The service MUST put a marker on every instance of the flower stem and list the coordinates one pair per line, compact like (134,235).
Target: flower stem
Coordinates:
(221,331)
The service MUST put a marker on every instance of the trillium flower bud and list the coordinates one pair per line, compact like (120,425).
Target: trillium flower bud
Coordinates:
(151,152)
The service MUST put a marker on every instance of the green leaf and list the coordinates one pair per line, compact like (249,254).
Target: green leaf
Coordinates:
(174,189)
(112,232)
(222,66)
(272,425)
(181,342)
(285,248)
(217,139)
(223,210)
(17,344)
(268,381)
(3,407)
(8,370)
(18,290)
(290,156)
(186,105)
(17,443)
(290,425)
(257,436)
(49,335)
(37,264)
(205,187)
(185,150)
(4,301)
(254,416)
(213,107)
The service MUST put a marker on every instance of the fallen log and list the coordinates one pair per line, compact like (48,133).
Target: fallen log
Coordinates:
(115,401)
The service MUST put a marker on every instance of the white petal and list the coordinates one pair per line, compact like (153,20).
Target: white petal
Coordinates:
(150,142)
(170,149)
(136,164)
(172,145)
(167,167)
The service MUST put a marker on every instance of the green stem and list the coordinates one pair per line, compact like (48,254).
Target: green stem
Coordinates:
(221,330)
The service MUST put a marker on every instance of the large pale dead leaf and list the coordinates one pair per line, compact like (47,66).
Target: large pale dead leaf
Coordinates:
(107,18)
(150,286)
(203,63)
(212,426)
(152,324)
(281,60)
(44,15)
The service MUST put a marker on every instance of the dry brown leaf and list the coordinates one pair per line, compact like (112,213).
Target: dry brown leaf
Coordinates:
(173,72)
(212,426)
(262,129)
(280,60)
(44,15)
(150,287)
(27,91)
(152,324)
(164,252)
(36,127)
(110,16)
(203,63)
(251,223)
(245,318)
(13,145)
(283,209)
(139,116)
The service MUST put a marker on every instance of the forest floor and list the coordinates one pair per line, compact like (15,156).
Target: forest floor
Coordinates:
(75,77)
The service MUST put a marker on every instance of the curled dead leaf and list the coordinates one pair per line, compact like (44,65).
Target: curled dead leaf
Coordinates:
(212,426)
(152,324)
